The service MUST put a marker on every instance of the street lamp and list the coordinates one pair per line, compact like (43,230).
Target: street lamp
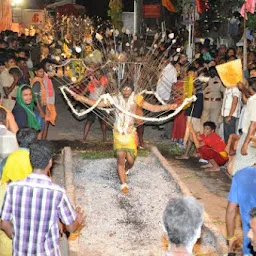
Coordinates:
(16,2)
(16,10)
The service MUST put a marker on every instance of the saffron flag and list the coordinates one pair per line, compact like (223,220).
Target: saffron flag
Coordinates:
(202,5)
(168,5)
(248,6)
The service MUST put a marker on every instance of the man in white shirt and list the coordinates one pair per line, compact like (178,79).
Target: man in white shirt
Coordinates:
(246,153)
(231,108)
(8,84)
(167,78)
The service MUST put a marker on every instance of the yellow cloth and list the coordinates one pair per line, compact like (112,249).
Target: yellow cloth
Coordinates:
(125,142)
(5,241)
(139,100)
(188,89)
(17,166)
(224,154)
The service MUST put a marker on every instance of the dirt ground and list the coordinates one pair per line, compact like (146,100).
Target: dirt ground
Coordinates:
(211,188)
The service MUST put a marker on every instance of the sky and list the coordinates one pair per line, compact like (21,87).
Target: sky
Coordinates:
(100,7)
(94,7)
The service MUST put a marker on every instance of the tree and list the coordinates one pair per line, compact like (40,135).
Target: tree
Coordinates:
(115,13)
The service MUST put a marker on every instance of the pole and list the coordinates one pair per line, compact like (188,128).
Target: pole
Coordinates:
(135,17)
(245,41)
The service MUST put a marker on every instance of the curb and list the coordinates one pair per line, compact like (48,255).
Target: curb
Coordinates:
(69,185)
(219,240)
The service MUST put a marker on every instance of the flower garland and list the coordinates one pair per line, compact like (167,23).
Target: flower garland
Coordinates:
(108,97)
(123,121)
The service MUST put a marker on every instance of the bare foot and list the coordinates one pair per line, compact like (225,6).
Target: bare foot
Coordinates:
(206,166)
(83,141)
(124,188)
(182,157)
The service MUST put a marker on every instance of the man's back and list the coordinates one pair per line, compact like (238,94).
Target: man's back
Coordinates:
(35,206)
(164,84)
(243,192)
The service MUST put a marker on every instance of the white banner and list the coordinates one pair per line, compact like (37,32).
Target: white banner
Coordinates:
(33,17)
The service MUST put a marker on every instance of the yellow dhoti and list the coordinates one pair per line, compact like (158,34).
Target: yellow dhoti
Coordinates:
(125,142)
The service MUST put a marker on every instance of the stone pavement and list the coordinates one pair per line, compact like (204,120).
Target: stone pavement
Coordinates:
(208,187)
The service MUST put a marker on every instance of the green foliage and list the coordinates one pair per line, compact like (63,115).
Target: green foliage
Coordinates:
(180,4)
(251,22)
(115,13)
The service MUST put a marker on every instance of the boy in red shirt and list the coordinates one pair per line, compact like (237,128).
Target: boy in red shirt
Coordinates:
(210,146)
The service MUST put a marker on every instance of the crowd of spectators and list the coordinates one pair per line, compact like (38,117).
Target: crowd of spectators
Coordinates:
(27,106)
(221,124)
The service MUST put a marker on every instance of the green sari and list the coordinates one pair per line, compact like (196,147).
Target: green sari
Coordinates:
(29,108)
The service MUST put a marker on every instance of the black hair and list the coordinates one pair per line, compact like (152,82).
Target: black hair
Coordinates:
(2,115)
(232,57)
(11,39)
(211,124)
(127,84)
(252,213)
(252,69)
(41,152)
(193,69)
(19,59)
(37,67)
(26,136)
(213,71)
(9,56)
(232,49)
(25,88)
(15,70)
(2,41)
(45,61)
(199,61)
(21,50)
(252,83)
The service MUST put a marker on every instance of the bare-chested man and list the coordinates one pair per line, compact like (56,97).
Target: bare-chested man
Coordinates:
(124,132)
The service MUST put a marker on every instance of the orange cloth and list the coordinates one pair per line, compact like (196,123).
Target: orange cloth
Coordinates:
(50,114)
(168,5)
(10,121)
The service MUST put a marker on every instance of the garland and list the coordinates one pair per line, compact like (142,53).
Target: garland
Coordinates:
(108,97)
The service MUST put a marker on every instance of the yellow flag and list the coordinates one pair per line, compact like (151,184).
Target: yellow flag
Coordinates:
(168,5)
(231,72)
